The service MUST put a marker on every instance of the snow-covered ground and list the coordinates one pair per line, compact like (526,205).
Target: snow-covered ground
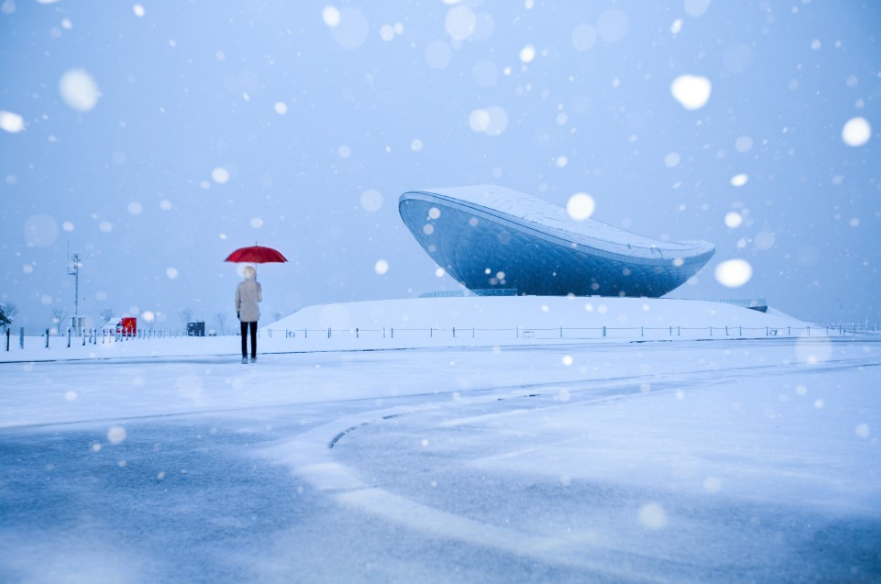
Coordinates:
(724,460)
(453,322)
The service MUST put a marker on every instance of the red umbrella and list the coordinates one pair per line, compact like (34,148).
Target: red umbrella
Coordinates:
(256,254)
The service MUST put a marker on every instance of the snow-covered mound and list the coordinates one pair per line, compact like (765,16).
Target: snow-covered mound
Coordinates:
(543,313)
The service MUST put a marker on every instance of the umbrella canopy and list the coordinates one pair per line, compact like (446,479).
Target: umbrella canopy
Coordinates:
(256,254)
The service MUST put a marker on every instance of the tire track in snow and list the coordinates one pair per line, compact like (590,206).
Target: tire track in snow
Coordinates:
(311,457)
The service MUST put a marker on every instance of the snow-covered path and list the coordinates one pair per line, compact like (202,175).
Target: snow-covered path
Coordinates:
(721,461)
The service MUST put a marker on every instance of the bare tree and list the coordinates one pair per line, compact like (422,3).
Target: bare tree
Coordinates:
(220,317)
(186,315)
(107,314)
(10,310)
(58,315)
(5,317)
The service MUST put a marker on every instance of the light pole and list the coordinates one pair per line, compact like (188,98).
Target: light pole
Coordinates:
(73,269)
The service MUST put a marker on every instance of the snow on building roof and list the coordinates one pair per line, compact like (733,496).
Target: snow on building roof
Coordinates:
(554,220)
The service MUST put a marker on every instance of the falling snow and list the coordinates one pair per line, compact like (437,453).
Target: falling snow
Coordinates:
(739,180)
(220,175)
(734,273)
(11,122)
(153,141)
(691,91)
(79,90)
(856,132)
(580,206)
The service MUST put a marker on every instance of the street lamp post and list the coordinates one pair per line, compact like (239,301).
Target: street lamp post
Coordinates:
(73,269)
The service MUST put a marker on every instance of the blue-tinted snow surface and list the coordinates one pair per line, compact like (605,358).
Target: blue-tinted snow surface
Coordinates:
(728,461)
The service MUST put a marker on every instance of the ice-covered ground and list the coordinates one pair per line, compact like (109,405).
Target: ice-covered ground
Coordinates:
(692,461)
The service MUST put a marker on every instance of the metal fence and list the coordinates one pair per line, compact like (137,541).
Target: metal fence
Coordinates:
(574,333)
(49,338)
(69,338)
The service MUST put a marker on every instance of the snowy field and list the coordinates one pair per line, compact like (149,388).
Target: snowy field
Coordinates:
(691,461)
(453,322)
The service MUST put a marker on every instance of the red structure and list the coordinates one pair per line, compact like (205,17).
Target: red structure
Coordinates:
(128,326)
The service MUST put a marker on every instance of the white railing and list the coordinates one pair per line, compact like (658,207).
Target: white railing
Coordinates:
(574,333)
(69,338)
(49,338)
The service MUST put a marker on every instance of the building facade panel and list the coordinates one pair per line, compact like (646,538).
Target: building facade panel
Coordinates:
(488,237)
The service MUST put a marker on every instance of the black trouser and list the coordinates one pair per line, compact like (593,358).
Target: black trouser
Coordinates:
(253,327)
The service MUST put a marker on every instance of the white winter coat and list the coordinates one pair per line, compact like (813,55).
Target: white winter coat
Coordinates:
(248,294)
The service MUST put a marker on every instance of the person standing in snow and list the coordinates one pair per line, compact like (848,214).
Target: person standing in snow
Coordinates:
(248,295)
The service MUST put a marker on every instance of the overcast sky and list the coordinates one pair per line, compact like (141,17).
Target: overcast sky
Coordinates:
(155,138)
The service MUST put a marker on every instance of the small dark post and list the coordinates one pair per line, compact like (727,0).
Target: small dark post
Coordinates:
(789,331)
(604,331)
(642,331)
(430,332)
(357,333)
(68,338)
(741,331)
(678,331)
(47,338)
(561,332)
(393,332)
(21,337)
(671,330)
(328,333)
(7,339)
(454,332)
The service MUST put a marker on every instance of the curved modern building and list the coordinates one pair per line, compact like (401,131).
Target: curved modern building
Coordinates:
(490,237)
